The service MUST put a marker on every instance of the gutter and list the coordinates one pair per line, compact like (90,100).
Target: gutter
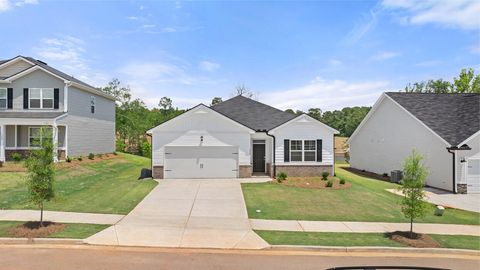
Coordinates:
(274,168)
(452,150)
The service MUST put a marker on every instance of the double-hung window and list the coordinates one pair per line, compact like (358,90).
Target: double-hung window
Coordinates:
(3,98)
(36,135)
(303,150)
(40,98)
(92,104)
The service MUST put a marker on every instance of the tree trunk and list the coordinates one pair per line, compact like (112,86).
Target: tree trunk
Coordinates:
(411,228)
(41,215)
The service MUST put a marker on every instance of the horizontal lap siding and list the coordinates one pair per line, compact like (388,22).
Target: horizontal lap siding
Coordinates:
(14,68)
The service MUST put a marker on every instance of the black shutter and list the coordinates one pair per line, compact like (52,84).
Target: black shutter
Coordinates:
(25,98)
(10,98)
(286,150)
(319,150)
(56,96)
(92,109)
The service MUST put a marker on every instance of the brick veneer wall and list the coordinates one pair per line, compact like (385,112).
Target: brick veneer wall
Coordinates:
(245,171)
(157,172)
(25,153)
(304,170)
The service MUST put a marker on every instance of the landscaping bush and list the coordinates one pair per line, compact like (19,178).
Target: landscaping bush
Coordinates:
(329,183)
(68,159)
(17,157)
(99,155)
(281,176)
(325,175)
(91,156)
(342,181)
(115,153)
(80,158)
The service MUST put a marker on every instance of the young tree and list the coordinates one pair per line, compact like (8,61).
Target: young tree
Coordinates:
(121,93)
(315,113)
(467,82)
(41,171)
(414,174)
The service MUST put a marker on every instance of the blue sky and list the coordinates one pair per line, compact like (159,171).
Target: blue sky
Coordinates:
(295,54)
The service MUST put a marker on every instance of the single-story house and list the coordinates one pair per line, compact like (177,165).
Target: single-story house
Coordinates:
(241,137)
(444,128)
(79,117)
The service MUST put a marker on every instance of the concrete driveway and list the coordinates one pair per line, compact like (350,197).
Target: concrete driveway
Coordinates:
(186,213)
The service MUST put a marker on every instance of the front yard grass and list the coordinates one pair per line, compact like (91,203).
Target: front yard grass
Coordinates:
(72,230)
(108,186)
(367,200)
(360,239)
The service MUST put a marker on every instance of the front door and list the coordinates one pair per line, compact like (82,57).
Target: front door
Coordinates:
(259,158)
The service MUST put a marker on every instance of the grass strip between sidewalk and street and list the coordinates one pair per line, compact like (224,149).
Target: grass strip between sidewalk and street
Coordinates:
(72,230)
(360,239)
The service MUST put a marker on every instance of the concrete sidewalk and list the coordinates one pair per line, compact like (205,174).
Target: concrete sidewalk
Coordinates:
(361,227)
(66,217)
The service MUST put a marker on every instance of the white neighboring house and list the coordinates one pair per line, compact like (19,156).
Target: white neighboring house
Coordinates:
(444,128)
(81,118)
(241,137)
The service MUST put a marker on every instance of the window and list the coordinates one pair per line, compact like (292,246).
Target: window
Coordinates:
(3,98)
(36,136)
(296,150)
(40,98)
(92,104)
(303,150)
(310,152)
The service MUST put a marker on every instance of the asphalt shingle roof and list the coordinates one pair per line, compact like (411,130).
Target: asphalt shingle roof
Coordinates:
(253,114)
(454,117)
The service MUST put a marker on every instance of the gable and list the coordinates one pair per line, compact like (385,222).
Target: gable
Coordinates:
(200,117)
(304,123)
(13,67)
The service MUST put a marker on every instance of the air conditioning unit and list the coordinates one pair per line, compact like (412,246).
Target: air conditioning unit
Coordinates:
(396,176)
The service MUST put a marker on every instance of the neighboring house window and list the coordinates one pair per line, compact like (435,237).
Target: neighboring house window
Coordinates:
(303,150)
(296,150)
(35,136)
(3,98)
(310,150)
(40,98)
(92,104)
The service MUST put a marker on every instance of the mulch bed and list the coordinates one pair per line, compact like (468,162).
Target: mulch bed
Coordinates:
(418,241)
(12,167)
(75,162)
(32,229)
(367,174)
(313,182)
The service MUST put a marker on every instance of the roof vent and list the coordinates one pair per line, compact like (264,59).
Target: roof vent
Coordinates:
(42,62)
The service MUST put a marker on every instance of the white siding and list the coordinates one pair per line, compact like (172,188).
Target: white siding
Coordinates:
(187,128)
(461,167)
(304,129)
(14,68)
(389,136)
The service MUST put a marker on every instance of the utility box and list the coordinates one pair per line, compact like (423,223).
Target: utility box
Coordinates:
(396,176)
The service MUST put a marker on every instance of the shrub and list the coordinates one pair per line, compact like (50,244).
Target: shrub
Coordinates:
(385,174)
(281,176)
(325,175)
(342,181)
(329,183)
(68,159)
(80,158)
(17,157)
(91,156)
(115,153)
(99,155)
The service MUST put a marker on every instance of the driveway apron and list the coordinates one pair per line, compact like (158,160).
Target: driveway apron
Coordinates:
(186,213)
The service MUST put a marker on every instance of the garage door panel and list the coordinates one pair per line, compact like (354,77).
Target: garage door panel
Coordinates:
(201,162)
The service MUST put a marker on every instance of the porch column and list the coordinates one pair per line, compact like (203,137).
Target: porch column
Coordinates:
(2,142)
(55,142)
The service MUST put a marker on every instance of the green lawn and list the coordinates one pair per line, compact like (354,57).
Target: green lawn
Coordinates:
(107,186)
(360,239)
(72,230)
(366,200)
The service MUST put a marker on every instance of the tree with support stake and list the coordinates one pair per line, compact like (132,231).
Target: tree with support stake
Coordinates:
(41,171)
(412,184)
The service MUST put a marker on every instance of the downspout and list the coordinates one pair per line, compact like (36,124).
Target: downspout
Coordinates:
(451,150)
(274,168)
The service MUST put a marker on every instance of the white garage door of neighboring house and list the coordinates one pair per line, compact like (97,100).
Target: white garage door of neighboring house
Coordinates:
(473,175)
(201,162)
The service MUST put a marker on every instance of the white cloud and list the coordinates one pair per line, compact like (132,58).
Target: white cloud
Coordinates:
(6,5)
(461,14)
(133,18)
(208,66)
(366,24)
(428,63)
(67,53)
(141,7)
(475,49)
(334,62)
(381,56)
(148,26)
(327,94)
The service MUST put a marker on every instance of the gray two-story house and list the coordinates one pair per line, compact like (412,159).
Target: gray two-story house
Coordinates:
(80,118)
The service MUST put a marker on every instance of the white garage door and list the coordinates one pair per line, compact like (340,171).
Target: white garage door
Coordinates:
(201,162)
(473,176)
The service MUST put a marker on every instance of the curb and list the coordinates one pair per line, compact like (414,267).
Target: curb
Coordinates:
(378,249)
(32,241)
